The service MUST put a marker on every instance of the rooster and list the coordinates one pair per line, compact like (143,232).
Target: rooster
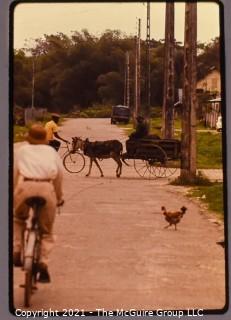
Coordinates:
(173,217)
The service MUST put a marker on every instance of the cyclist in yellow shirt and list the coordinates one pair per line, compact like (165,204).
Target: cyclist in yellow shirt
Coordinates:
(52,131)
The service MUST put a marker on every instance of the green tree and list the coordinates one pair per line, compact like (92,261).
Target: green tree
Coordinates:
(22,79)
(85,70)
(208,58)
(110,88)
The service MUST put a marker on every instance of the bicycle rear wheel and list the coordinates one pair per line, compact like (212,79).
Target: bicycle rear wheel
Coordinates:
(29,267)
(28,288)
(74,162)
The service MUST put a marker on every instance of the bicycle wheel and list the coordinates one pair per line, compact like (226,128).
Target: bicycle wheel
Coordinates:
(74,162)
(28,288)
(28,267)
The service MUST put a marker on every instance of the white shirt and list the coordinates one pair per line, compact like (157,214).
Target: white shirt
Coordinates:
(37,161)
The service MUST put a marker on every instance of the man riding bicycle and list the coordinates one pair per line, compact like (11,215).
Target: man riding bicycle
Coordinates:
(37,173)
(52,131)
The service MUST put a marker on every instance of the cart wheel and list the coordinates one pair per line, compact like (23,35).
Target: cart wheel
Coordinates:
(157,168)
(171,168)
(157,164)
(143,169)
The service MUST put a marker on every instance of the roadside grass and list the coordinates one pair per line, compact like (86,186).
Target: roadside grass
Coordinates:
(20,131)
(211,195)
(209,150)
(128,128)
(97,111)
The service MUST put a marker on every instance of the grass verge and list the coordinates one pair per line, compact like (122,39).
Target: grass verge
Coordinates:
(211,195)
(20,131)
(209,150)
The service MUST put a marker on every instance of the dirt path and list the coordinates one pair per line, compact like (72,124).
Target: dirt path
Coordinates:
(112,250)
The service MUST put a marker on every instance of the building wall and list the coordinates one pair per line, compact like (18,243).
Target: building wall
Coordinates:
(212,82)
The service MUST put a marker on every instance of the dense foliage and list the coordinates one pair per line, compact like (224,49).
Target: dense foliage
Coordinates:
(80,71)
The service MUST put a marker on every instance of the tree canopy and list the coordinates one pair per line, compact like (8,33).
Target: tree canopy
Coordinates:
(83,70)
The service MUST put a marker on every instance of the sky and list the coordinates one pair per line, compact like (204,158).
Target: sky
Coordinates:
(33,20)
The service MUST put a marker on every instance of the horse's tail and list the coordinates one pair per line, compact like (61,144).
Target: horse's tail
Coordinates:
(123,157)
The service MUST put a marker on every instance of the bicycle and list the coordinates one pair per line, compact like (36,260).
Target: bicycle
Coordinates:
(31,248)
(73,161)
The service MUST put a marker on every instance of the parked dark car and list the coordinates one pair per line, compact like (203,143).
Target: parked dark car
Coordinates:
(120,114)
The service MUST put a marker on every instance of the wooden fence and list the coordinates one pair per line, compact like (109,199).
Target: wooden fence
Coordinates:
(213,110)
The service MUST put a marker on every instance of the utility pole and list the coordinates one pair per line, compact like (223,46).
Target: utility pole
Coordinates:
(137,72)
(127,81)
(30,47)
(136,83)
(33,81)
(188,161)
(147,82)
(168,101)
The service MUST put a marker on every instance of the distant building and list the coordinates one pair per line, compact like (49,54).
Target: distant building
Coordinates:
(211,83)
(210,87)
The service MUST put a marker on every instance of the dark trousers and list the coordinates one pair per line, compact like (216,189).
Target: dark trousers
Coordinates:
(55,144)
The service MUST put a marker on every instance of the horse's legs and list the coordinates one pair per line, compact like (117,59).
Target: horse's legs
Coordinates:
(119,167)
(90,166)
(96,162)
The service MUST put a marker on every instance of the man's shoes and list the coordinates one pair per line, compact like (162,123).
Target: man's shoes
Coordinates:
(17,259)
(44,276)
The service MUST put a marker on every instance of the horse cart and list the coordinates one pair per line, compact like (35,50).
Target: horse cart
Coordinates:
(154,158)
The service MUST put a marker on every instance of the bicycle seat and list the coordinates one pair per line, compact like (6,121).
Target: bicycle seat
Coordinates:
(39,201)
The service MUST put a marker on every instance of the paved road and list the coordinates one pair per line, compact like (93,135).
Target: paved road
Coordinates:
(112,250)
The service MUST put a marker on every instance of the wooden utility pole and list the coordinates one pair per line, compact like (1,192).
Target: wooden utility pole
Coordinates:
(138,67)
(33,82)
(127,81)
(147,82)
(168,101)
(136,83)
(188,163)
(137,72)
